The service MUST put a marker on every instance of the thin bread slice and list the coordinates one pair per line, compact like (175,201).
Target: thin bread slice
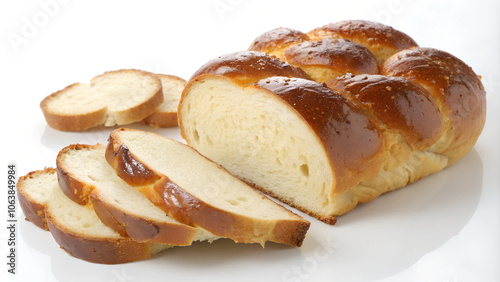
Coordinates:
(197,191)
(166,114)
(85,176)
(76,228)
(112,98)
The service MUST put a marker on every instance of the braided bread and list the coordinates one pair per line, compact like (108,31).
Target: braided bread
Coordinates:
(340,115)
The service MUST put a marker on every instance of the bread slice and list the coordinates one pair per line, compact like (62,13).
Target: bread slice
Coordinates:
(197,191)
(76,228)
(85,176)
(112,98)
(166,114)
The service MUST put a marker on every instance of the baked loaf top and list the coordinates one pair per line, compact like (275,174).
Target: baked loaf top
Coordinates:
(389,114)
(166,114)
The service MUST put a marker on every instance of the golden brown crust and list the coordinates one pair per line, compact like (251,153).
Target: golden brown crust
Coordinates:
(338,55)
(380,39)
(247,67)
(352,142)
(33,210)
(397,103)
(275,41)
(97,250)
(454,85)
(140,229)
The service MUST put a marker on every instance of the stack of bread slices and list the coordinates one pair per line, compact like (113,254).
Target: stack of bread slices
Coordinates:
(144,193)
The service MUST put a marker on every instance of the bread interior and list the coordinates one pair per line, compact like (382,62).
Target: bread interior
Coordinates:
(259,138)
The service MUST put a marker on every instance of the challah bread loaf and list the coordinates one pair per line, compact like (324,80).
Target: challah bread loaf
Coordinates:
(166,114)
(248,67)
(76,228)
(324,151)
(85,176)
(112,98)
(196,191)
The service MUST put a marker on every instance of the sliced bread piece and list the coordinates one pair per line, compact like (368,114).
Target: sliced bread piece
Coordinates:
(76,228)
(197,191)
(112,98)
(166,114)
(85,176)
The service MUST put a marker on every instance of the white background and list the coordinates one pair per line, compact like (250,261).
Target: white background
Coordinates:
(444,228)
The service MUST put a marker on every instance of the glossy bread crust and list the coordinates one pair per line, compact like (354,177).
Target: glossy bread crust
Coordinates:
(276,41)
(97,250)
(397,103)
(247,67)
(456,88)
(339,55)
(382,40)
(125,165)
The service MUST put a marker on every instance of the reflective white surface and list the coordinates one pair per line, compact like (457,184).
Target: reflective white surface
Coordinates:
(443,228)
